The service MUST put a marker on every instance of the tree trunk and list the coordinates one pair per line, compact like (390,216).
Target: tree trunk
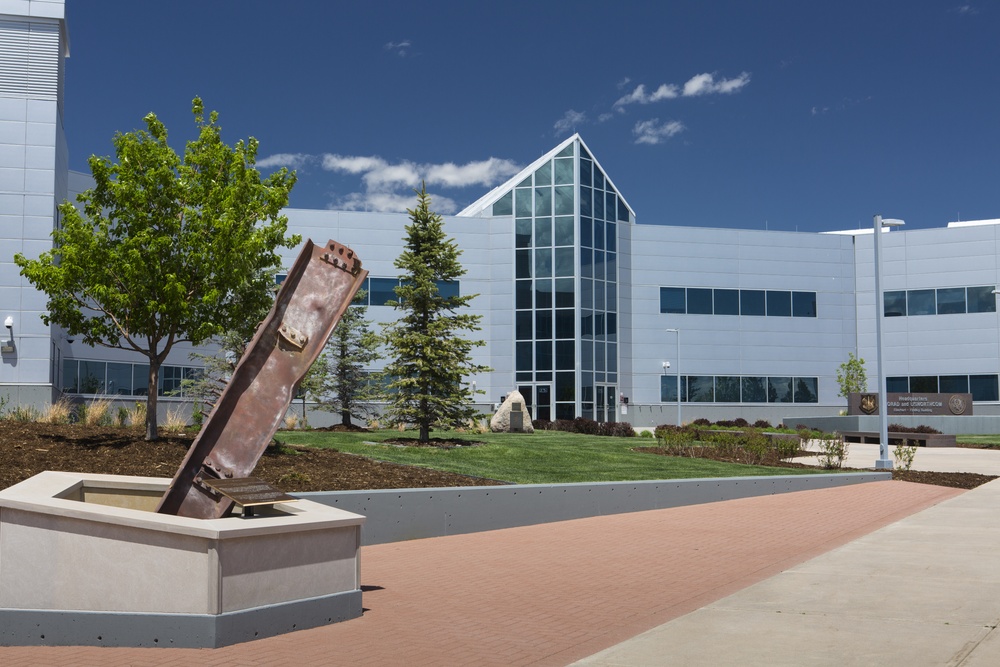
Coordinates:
(345,418)
(151,397)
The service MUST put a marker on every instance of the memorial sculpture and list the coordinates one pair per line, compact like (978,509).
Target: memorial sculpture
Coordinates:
(313,297)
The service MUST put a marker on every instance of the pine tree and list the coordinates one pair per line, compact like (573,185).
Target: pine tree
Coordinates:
(338,381)
(431,358)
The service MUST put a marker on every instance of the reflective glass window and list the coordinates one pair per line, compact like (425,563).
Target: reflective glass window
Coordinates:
(599,264)
(565,410)
(522,327)
(622,211)
(543,294)
(598,205)
(805,390)
(611,324)
(611,303)
(925,384)
(564,262)
(599,234)
(522,294)
(448,288)
(563,171)
(564,293)
(599,358)
(543,231)
(567,151)
(779,390)
(586,201)
(522,233)
(586,262)
(526,183)
(779,303)
(612,360)
(543,262)
(599,325)
(954,384)
(609,206)
(383,290)
(522,202)
(951,301)
(543,175)
(894,304)
(565,392)
(564,231)
(920,302)
(983,387)
(586,293)
(587,355)
(981,299)
(140,379)
(563,201)
(543,324)
(543,355)
(586,232)
(523,356)
(92,377)
(804,305)
(119,378)
(564,323)
(170,380)
(699,301)
(565,355)
(727,389)
(543,201)
(668,388)
(752,303)
(586,166)
(587,324)
(701,389)
(727,302)
(672,300)
(612,236)
(522,264)
(504,205)
(598,178)
(71,368)
(599,292)
(897,385)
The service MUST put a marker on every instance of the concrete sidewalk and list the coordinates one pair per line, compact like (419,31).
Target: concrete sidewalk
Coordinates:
(922,591)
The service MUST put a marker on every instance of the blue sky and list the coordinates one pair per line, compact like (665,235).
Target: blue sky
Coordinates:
(789,115)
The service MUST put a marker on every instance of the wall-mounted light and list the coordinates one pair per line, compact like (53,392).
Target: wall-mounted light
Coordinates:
(9,323)
(666,365)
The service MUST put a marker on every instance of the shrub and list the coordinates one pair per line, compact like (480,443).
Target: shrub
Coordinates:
(122,419)
(617,429)
(701,421)
(174,422)
(832,451)
(646,434)
(762,423)
(23,413)
(291,421)
(903,454)
(740,422)
(96,413)
(137,414)
(899,428)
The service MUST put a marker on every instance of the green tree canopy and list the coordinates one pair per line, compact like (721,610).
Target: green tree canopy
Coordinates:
(431,358)
(851,375)
(167,248)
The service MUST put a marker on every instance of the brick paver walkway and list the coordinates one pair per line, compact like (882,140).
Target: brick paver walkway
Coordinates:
(550,594)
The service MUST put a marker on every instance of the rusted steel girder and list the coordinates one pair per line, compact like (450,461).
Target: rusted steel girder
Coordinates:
(312,299)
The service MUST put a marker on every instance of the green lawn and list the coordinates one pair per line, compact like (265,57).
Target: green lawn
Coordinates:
(990,441)
(545,457)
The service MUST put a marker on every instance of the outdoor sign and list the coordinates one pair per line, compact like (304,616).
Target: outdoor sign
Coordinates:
(912,403)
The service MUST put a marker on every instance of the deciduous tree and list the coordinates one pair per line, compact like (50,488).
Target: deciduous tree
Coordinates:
(851,376)
(166,248)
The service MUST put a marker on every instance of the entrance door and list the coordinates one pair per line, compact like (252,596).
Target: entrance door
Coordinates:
(606,410)
(538,399)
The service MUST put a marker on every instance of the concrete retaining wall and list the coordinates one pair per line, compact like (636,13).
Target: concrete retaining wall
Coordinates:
(407,514)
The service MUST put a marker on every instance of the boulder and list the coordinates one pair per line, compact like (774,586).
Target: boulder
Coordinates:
(501,422)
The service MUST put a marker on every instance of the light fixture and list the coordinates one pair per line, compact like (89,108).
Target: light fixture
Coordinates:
(666,365)
(883,462)
(9,322)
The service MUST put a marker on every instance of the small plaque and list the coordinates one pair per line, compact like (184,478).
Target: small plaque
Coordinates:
(249,491)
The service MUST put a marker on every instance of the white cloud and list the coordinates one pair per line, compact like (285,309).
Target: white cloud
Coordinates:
(290,160)
(700,84)
(391,202)
(401,48)
(570,120)
(485,172)
(654,132)
(705,84)
(967,10)
(352,164)
(389,176)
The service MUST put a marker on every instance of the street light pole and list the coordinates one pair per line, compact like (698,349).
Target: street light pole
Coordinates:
(678,371)
(883,462)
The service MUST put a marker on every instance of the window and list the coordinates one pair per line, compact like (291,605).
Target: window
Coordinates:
(752,302)
(727,389)
(504,205)
(668,388)
(894,304)
(779,390)
(382,291)
(804,304)
(951,301)
(983,387)
(699,301)
(897,385)
(754,390)
(927,384)
(672,300)
(701,389)
(982,299)
(727,302)
(805,390)
(779,304)
(920,302)
(954,384)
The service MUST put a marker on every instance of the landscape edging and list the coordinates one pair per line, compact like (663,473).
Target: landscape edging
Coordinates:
(395,515)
